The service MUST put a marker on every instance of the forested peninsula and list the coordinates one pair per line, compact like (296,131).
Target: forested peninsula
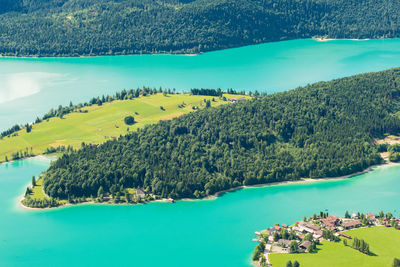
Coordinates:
(322,130)
(117,27)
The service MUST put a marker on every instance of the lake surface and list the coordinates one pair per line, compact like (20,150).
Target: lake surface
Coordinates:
(30,87)
(187,233)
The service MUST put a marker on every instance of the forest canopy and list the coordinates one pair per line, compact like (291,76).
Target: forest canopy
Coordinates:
(320,130)
(114,27)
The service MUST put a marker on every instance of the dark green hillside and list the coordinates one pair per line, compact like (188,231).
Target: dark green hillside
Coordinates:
(104,27)
(324,129)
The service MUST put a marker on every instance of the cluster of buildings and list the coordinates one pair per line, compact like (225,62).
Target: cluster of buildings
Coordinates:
(306,233)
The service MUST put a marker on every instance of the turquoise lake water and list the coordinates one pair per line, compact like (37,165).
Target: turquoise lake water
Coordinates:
(30,87)
(187,233)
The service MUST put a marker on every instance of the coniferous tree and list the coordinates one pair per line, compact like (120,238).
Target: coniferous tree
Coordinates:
(347,215)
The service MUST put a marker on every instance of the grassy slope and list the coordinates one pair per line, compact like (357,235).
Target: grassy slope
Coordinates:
(101,121)
(384,242)
(38,193)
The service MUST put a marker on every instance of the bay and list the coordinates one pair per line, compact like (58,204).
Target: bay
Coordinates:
(29,87)
(186,233)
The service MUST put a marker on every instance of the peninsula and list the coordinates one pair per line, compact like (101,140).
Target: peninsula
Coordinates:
(327,129)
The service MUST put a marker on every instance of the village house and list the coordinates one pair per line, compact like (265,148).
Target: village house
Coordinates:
(140,192)
(351,224)
(305,227)
(305,245)
(284,243)
(235,100)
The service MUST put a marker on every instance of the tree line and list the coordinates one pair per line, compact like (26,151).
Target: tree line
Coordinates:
(320,130)
(116,27)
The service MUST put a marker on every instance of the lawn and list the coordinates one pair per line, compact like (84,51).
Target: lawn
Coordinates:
(384,243)
(101,122)
(37,191)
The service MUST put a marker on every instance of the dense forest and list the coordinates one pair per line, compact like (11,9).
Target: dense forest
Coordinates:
(321,130)
(112,27)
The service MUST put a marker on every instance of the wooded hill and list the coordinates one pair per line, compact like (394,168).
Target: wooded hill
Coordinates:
(105,27)
(321,130)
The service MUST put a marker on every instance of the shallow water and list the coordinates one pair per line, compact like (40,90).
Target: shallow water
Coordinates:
(187,233)
(30,87)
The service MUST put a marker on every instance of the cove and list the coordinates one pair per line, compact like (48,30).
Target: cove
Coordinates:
(186,233)
(29,87)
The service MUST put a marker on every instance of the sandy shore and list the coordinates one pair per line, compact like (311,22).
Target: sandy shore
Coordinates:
(22,206)
(323,39)
(216,195)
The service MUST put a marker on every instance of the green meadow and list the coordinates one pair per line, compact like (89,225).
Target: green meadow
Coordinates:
(101,123)
(384,244)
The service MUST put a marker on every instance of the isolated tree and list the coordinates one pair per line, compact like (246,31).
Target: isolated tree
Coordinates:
(28,191)
(129,120)
(100,192)
(308,237)
(347,215)
(293,247)
(284,234)
(33,181)
(366,249)
(396,262)
(296,264)
(276,236)
(127,197)
(117,197)
(289,264)
(381,214)
(28,128)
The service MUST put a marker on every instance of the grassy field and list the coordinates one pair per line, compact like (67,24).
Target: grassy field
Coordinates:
(37,191)
(384,243)
(101,122)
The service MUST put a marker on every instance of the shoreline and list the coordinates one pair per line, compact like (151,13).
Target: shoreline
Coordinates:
(98,56)
(301,180)
(220,193)
(22,206)
(323,39)
(319,39)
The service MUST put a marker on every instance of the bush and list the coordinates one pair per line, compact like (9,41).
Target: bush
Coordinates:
(129,120)
(394,157)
